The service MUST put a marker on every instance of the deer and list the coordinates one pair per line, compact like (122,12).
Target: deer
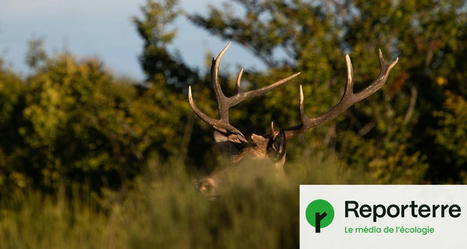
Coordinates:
(233,144)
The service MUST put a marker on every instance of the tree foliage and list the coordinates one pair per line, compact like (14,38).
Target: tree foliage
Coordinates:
(157,62)
(390,134)
(71,130)
(71,121)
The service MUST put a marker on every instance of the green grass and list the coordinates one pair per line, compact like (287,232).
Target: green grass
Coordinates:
(164,210)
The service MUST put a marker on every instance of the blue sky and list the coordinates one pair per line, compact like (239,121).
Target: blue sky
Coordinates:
(102,28)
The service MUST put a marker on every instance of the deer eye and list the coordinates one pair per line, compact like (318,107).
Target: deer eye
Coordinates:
(206,186)
(276,146)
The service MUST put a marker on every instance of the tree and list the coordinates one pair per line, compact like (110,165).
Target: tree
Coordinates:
(167,79)
(388,134)
(157,62)
(71,122)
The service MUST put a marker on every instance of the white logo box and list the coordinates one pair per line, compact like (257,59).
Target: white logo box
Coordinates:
(447,232)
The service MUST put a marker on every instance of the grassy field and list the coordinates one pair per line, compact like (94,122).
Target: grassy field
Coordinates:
(164,210)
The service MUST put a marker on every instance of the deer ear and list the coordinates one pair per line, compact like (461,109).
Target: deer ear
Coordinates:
(235,138)
(258,140)
(276,146)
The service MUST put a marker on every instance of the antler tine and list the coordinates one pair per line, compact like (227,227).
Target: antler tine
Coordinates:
(379,82)
(225,103)
(348,99)
(293,131)
(219,125)
(349,85)
(222,106)
(239,79)
(234,100)
(301,108)
(197,111)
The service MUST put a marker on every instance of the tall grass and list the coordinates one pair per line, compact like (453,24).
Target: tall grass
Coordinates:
(257,210)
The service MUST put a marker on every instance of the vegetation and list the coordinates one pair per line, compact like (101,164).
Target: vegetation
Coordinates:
(391,134)
(88,159)
(164,210)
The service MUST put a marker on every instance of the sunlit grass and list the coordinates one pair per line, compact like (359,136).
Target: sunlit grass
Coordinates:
(258,209)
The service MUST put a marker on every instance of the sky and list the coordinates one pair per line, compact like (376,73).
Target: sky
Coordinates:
(103,28)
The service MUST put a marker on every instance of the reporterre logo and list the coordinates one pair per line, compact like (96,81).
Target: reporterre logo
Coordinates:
(319,213)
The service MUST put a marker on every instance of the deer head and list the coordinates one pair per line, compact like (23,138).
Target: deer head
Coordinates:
(233,144)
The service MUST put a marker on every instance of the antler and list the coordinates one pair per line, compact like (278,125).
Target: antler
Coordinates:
(225,103)
(348,99)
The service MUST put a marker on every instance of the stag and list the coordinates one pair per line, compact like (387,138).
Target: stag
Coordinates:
(232,143)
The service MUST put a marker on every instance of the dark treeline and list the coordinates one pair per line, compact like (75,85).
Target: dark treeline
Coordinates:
(72,122)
